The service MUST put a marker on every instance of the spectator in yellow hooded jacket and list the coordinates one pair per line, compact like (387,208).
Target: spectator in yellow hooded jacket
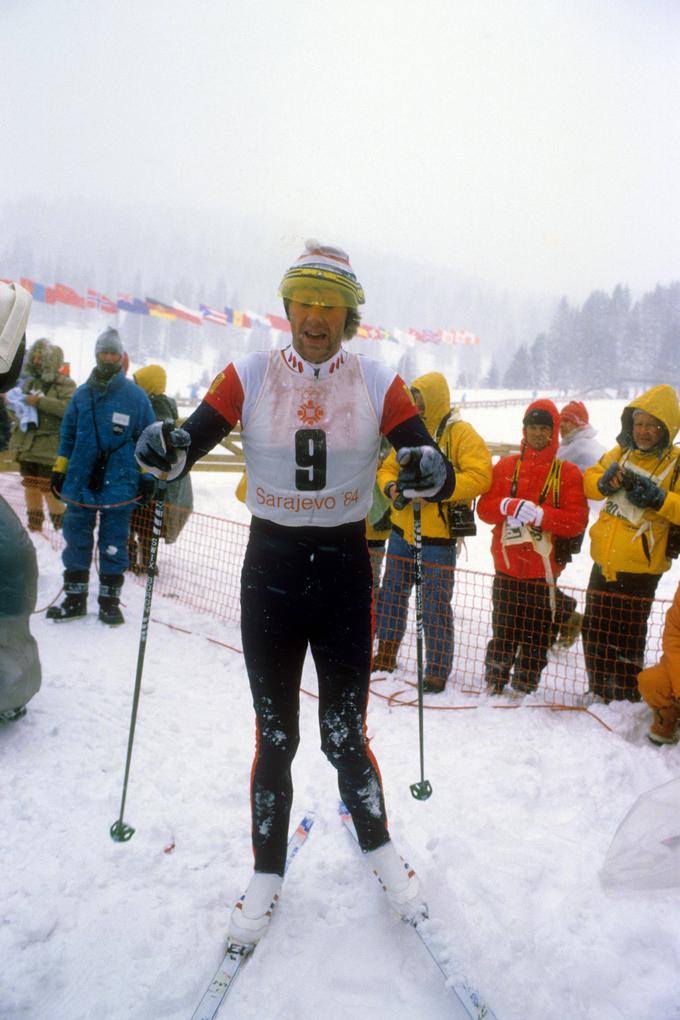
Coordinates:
(472,462)
(153,380)
(378,524)
(631,541)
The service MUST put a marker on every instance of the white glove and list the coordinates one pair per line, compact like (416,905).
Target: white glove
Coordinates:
(521,511)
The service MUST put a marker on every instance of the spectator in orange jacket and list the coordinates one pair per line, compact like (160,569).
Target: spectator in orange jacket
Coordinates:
(534,502)
(660,685)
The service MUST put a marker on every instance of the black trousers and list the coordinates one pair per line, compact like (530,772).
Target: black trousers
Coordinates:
(614,632)
(522,631)
(300,588)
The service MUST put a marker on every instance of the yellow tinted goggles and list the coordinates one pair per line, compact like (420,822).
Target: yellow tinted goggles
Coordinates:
(313,286)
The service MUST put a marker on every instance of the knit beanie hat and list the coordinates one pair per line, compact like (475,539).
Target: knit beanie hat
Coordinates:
(109,342)
(538,416)
(575,412)
(322,275)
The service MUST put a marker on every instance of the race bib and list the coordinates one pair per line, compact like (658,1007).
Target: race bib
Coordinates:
(620,506)
(528,534)
(515,536)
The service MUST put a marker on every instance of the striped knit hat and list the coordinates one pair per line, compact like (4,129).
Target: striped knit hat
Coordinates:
(322,275)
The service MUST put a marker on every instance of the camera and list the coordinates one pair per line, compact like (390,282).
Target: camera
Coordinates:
(629,479)
(673,542)
(565,548)
(96,481)
(461,519)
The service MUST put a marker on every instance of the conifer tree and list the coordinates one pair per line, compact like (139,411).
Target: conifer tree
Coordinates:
(519,373)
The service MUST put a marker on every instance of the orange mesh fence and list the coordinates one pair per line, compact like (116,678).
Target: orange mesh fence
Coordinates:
(504,635)
(202,567)
(511,637)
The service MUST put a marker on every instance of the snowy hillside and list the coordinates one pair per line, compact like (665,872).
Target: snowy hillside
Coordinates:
(509,846)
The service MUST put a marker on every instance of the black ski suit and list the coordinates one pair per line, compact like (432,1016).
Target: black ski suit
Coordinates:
(306,587)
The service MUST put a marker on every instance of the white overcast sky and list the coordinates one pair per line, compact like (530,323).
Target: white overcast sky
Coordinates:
(535,145)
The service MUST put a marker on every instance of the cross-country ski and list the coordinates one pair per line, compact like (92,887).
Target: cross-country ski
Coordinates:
(468,1003)
(236,956)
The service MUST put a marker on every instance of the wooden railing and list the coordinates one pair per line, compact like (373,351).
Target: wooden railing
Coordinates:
(228,455)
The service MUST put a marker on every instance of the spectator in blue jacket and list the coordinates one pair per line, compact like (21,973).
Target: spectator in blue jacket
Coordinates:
(95,473)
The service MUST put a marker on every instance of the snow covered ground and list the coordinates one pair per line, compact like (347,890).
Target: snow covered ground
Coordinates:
(509,846)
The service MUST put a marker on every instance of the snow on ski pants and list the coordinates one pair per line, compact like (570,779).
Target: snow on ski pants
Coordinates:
(308,587)
(112,538)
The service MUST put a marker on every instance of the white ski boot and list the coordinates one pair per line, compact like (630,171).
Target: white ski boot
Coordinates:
(251,916)
(400,883)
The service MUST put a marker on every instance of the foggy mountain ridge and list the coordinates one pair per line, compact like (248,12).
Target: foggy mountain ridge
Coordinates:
(186,255)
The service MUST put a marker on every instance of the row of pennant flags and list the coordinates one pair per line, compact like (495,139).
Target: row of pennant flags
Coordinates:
(60,293)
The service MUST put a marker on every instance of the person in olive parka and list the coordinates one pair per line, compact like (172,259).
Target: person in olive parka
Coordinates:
(34,446)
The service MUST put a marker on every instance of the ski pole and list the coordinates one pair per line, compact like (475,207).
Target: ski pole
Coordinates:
(423,789)
(120,832)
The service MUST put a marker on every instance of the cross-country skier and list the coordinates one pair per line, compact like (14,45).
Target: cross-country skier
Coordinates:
(311,418)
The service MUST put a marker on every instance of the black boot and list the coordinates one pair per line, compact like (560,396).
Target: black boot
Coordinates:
(525,682)
(109,599)
(76,583)
(385,659)
(434,684)
(496,675)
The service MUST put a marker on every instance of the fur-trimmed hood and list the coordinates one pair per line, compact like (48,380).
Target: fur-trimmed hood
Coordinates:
(51,360)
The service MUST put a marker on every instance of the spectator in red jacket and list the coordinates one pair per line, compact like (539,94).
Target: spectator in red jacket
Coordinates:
(536,505)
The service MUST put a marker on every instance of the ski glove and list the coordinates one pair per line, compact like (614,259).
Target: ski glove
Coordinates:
(56,482)
(422,471)
(605,484)
(161,450)
(645,493)
(521,511)
(146,489)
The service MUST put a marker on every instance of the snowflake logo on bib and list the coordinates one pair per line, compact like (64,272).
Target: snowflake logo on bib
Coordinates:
(309,412)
